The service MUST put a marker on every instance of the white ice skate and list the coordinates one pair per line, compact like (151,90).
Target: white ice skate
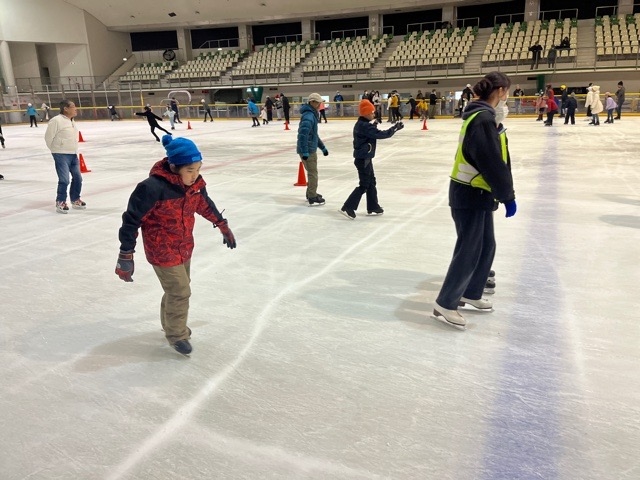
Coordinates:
(450,317)
(480,304)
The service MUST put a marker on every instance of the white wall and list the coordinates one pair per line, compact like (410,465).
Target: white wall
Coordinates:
(48,57)
(73,60)
(41,21)
(24,60)
(106,49)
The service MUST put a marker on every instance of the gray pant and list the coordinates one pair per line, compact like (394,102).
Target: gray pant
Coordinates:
(311,166)
(174,308)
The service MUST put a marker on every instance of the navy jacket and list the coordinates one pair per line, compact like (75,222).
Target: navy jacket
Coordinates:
(365,136)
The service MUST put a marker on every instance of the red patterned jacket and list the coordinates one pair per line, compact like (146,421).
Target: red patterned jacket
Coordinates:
(163,207)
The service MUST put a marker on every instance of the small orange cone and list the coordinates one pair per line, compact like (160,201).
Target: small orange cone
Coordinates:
(302,179)
(189,125)
(83,166)
(424,125)
(80,139)
(286,127)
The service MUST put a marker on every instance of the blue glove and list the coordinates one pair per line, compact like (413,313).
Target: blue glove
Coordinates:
(325,152)
(511,208)
(125,265)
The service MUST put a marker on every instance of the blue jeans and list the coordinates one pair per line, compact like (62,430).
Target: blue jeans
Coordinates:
(68,163)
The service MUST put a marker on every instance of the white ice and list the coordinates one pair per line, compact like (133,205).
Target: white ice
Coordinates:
(315,356)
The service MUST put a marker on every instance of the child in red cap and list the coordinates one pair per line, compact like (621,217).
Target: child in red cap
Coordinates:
(365,136)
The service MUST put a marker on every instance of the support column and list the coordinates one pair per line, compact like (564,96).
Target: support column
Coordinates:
(449,14)
(625,7)
(375,24)
(308,29)
(531,10)
(184,45)
(245,37)
(9,79)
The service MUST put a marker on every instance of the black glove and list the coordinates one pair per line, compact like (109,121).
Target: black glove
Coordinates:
(227,235)
(125,266)
(399,126)
(325,152)
(305,157)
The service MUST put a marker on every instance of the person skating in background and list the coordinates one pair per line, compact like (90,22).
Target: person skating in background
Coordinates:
(433,101)
(552,109)
(61,138)
(518,93)
(268,105)
(1,134)
(207,110)
(338,99)
(152,119)
(412,106)
(45,112)
(609,105)
(172,195)
(113,113)
(253,111)
(564,98)
(264,116)
(33,115)
(572,106)
(377,104)
(321,112)
(392,103)
(175,106)
(541,106)
(308,144)
(278,104)
(171,115)
(620,94)
(286,108)
(481,176)
(365,136)
(593,101)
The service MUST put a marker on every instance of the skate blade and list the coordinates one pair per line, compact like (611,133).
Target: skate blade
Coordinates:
(444,320)
(374,214)
(315,204)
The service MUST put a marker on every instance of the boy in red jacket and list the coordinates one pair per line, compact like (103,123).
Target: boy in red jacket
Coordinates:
(163,206)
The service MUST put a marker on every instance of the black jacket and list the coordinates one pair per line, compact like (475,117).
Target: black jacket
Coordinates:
(365,136)
(481,148)
(285,102)
(571,104)
(151,117)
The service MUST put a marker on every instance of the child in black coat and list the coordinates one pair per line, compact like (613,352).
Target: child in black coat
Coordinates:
(365,136)
(152,118)
(572,106)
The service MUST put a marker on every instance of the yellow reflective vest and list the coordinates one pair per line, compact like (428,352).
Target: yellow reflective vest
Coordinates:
(463,172)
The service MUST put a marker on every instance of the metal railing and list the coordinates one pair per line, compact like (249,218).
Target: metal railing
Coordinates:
(565,13)
(606,10)
(508,18)
(468,22)
(222,43)
(283,39)
(423,26)
(352,33)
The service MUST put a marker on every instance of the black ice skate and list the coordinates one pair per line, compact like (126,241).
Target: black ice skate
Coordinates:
(347,212)
(376,211)
(183,347)
(316,201)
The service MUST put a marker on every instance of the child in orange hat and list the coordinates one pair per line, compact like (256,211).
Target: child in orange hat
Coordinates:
(365,136)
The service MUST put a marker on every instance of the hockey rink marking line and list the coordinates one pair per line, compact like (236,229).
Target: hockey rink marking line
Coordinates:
(184,413)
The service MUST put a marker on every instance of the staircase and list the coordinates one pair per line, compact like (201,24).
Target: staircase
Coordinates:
(586,46)
(377,71)
(473,62)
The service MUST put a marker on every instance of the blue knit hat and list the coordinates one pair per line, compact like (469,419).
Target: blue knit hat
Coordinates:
(181,151)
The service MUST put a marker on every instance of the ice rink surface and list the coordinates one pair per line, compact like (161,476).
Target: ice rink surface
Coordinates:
(315,356)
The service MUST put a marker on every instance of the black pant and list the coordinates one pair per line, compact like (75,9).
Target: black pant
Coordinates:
(367,185)
(619,109)
(269,115)
(571,114)
(472,257)
(33,121)
(153,128)
(177,119)
(208,112)
(550,118)
(323,115)
(286,115)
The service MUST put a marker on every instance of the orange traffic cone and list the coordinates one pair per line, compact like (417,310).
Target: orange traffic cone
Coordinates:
(302,179)
(189,125)
(286,127)
(424,125)
(83,166)
(80,139)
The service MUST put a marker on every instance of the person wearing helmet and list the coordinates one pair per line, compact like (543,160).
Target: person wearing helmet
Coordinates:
(564,99)
(33,115)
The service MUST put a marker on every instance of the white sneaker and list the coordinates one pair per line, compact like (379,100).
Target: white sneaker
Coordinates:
(450,317)
(61,207)
(480,304)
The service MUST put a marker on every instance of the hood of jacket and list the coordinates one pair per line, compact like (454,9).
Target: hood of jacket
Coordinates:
(595,88)
(476,106)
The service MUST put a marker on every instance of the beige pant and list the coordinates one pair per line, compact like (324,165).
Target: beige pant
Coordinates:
(174,309)
(311,166)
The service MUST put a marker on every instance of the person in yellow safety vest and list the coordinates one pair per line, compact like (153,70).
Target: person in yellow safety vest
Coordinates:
(481,177)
